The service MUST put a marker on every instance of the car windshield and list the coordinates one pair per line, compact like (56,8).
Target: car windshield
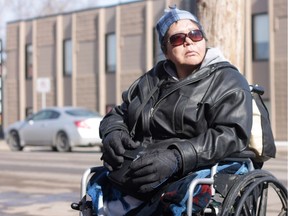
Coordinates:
(82,113)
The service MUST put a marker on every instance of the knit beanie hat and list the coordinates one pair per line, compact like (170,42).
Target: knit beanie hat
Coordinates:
(172,15)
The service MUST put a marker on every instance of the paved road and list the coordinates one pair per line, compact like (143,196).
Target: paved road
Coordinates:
(39,182)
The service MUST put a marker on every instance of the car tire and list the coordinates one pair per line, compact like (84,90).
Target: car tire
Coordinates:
(62,142)
(101,149)
(54,148)
(14,141)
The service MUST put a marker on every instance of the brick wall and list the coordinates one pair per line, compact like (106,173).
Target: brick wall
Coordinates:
(281,70)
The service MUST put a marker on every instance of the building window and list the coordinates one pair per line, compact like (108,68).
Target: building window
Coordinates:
(28,111)
(67,57)
(0,63)
(29,61)
(0,53)
(111,52)
(260,37)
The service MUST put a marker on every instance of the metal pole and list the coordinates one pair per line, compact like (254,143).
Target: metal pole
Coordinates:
(43,100)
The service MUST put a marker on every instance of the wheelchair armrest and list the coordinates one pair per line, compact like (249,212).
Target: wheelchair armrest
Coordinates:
(244,154)
(85,178)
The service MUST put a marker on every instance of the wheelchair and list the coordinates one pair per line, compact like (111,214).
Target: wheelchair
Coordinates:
(232,195)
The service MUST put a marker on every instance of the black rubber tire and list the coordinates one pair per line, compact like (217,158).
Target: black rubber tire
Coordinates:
(13,141)
(243,197)
(54,148)
(260,189)
(101,149)
(62,142)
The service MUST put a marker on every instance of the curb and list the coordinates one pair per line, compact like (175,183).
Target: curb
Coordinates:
(281,146)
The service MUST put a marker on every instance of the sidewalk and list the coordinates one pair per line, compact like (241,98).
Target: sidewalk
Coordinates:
(3,145)
(282,149)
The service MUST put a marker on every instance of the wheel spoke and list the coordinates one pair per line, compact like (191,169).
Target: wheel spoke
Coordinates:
(249,195)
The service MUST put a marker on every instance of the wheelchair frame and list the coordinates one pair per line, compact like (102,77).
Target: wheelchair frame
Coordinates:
(240,199)
(253,180)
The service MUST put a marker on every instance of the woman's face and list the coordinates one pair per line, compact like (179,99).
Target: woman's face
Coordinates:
(189,54)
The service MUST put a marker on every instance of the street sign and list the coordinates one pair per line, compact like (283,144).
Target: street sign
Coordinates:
(43,85)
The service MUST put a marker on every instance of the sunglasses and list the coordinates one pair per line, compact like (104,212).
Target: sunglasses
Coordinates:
(179,38)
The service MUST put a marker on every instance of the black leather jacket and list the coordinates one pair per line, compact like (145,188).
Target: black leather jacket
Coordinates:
(209,112)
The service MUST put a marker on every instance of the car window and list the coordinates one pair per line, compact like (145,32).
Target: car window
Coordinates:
(82,113)
(46,114)
(54,115)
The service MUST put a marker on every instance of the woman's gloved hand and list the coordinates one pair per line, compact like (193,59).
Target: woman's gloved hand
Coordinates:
(114,145)
(154,167)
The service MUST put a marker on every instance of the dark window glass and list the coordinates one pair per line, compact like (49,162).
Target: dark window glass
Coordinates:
(261,37)
(111,52)
(28,111)
(29,61)
(82,112)
(45,114)
(67,57)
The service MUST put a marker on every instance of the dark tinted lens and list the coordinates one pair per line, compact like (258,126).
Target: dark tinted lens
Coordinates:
(195,35)
(177,39)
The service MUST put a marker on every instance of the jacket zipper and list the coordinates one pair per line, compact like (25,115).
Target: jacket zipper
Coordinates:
(212,70)
(173,90)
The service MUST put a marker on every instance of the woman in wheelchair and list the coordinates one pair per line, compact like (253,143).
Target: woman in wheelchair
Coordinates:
(188,113)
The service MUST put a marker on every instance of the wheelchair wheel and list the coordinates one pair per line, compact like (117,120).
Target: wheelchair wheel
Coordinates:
(249,195)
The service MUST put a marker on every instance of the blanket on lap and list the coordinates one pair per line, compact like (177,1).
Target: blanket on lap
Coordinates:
(107,200)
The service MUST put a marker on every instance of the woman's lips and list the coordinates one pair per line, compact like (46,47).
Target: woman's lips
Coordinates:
(191,53)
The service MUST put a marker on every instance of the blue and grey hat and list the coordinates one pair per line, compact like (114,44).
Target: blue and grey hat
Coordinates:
(172,15)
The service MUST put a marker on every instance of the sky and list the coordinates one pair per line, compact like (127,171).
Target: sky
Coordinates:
(110,2)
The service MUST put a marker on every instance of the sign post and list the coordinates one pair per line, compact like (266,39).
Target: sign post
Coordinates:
(43,87)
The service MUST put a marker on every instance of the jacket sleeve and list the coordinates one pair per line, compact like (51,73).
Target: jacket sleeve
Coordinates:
(117,118)
(228,115)
(114,120)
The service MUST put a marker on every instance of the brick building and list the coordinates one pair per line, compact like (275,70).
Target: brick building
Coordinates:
(90,56)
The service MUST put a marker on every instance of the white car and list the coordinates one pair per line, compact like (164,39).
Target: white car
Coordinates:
(59,127)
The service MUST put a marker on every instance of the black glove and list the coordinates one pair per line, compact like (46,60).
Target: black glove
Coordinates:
(154,167)
(114,145)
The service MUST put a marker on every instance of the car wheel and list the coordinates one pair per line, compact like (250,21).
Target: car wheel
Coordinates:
(54,148)
(101,149)
(62,142)
(14,141)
